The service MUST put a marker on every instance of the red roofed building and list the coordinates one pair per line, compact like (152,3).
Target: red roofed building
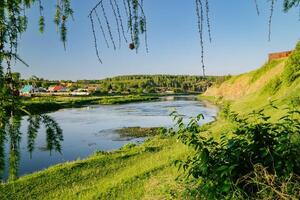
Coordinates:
(57,88)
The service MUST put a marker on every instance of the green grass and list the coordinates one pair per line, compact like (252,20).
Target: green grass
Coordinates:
(276,89)
(139,131)
(264,69)
(123,174)
(48,104)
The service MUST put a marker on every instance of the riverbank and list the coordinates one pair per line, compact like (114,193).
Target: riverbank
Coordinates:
(146,171)
(39,105)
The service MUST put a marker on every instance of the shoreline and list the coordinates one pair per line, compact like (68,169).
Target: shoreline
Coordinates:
(41,105)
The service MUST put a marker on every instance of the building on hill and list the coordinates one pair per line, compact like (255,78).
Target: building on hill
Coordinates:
(278,55)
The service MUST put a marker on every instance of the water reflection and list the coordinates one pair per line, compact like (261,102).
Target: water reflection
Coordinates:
(85,130)
(11,134)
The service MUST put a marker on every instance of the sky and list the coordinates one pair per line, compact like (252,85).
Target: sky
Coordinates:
(239,41)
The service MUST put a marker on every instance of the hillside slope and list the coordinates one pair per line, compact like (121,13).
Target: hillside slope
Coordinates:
(277,81)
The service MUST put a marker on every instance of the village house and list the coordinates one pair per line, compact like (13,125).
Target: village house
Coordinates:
(28,90)
(57,88)
(92,89)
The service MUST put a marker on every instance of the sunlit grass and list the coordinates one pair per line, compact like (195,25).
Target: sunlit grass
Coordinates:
(123,174)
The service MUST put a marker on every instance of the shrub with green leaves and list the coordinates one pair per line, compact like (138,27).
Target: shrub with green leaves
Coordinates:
(231,168)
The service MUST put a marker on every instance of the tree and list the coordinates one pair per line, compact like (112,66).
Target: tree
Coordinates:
(13,22)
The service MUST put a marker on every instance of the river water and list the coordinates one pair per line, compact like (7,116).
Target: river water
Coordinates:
(92,128)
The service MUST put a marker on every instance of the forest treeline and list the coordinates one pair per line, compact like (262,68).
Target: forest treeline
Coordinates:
(137,83)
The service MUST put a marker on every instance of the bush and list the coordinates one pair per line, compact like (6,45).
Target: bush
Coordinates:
(228,169)
(292,71)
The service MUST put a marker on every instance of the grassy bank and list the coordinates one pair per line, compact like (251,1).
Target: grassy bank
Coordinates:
(134,172)
(48,104)
(139,131)
(261,89)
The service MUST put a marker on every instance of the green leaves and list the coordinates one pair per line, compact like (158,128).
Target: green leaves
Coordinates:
(292,71)
(288,4)
(136,23)
(222,168)
(41,24)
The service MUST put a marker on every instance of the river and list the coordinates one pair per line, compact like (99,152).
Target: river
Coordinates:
(92,128)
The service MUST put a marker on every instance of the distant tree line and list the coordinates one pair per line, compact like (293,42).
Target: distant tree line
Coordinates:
(136,83)
(155,83)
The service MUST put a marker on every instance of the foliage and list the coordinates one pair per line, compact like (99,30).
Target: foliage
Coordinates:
(289,4)
(13,22)
(156,83)
(133,10)
(10,132)
(228,168)
(292,71)
(134,84)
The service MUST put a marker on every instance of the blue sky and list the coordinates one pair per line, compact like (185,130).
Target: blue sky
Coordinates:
(240,41)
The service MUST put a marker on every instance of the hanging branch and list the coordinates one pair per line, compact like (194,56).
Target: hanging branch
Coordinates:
(95,39)
(125,8)
(54,134)
(42,18)
(120,19)
(7,55)
(136,23)
(270,18)
(32,131)
(257,7)
(136,31)
(95,7)
(288,4)
(130,24)
(117,21)
(101,27)
(199,12)
(108,26)
(208,20)
(57,17)
(143,24)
